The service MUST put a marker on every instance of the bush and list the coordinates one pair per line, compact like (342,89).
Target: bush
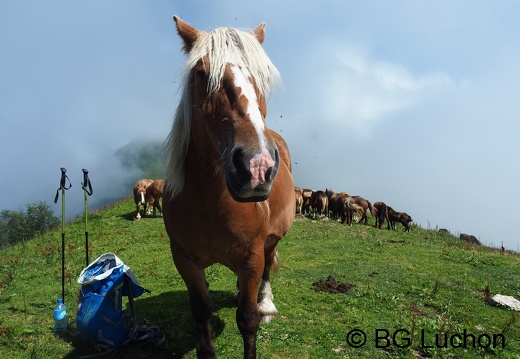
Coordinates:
(17,226)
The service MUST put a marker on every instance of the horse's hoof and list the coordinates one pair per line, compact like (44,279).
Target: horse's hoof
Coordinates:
(266,318)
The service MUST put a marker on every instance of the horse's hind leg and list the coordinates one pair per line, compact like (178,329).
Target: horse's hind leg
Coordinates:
(200,303)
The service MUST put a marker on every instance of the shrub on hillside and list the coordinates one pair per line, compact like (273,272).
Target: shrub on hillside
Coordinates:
(17,226)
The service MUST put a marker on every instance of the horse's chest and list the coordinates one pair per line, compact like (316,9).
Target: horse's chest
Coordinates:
(211,234)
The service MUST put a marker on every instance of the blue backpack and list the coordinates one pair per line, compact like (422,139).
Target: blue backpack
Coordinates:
(100,318)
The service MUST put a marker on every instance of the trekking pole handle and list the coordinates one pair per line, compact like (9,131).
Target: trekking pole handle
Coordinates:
(63,177)
(63,183)
(87,186)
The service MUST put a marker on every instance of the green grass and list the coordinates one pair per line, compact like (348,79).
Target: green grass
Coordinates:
(422,283)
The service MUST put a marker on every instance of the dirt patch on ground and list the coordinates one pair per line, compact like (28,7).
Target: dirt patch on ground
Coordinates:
(330,285)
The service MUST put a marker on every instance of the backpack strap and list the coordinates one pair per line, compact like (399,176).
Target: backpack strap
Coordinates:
(103,345)
(142,334)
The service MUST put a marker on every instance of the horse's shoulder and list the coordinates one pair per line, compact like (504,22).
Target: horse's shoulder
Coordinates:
(283,149)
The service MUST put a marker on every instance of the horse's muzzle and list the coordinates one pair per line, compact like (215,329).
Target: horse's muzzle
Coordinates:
(250,176)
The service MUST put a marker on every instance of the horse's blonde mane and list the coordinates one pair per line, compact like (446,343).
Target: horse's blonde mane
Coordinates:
(218,46)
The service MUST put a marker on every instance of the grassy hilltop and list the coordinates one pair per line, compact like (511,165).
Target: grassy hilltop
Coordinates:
(414,295)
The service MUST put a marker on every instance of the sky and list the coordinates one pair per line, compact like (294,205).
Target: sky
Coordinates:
(412,103)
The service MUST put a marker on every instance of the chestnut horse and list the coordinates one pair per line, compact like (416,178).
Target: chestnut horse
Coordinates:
(154,192)
(320,203)
(140,198)
(229,193)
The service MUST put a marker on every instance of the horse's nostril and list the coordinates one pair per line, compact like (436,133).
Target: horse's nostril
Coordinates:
(237,159)
(268,174)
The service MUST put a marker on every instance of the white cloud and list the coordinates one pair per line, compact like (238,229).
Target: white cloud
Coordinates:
(357,92)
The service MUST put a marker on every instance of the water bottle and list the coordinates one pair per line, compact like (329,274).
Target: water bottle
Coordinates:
(60,317)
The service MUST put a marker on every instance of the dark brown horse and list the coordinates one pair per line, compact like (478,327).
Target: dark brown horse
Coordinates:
(380,213)
(340,205)
(401,217)
(469,238)
(229,192)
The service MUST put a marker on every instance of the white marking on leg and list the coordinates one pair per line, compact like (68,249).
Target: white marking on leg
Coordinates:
(265,299)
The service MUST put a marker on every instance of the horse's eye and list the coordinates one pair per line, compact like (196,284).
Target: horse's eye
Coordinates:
(201,75)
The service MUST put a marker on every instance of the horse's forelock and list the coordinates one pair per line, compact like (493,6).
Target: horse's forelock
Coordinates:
(218,46)
(224,43)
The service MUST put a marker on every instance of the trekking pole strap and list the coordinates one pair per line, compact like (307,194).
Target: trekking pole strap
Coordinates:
(87,186)
(63,184)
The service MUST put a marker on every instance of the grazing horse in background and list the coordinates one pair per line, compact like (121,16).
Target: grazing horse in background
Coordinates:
(229,192)
(298,193)
(381,213)
(365,206)
(320,203)
(140,197)
(469,238)
(306,206)
(154,192)
(340,205)
(401,217)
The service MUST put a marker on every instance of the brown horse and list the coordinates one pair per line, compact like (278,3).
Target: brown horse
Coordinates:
(340,205)
(306,204)
(320,203)
(380,213)
(229,192)
(154,193)
(401,217)
(140,198)
(365,206)
(470,238)
(298,193)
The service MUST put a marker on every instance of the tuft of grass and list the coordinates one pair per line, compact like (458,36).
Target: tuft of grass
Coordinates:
(407,288)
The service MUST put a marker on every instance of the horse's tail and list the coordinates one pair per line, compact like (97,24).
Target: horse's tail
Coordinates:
(276,261)
(383,213)
(370,208)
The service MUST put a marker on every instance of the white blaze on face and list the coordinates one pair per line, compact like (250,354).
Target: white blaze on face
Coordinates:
(142,198)
(241,78)
(262,161)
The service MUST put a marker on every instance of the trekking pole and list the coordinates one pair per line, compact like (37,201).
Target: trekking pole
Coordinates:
(87,189)
(63,188)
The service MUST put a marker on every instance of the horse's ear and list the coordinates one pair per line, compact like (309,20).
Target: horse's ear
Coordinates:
(188,33)
(259,33)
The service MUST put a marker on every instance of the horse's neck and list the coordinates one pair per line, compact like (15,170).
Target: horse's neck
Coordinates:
(203,172)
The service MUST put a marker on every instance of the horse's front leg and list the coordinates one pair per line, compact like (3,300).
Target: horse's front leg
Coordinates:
(138,209)
(265,295)
(248,315)
(200,303)
(157,205)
